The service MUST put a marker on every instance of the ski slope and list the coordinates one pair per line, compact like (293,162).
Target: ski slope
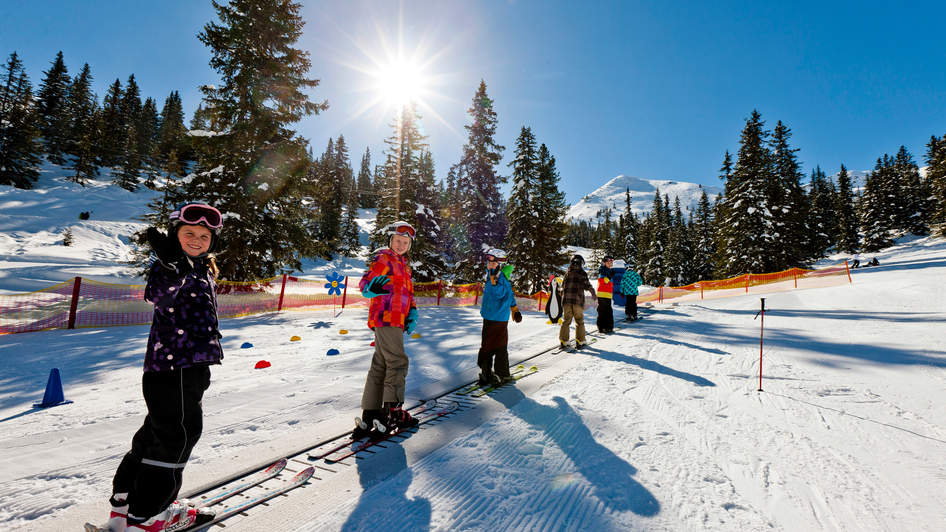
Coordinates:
(660,426)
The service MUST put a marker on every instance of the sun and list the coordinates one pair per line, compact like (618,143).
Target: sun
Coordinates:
(399,83)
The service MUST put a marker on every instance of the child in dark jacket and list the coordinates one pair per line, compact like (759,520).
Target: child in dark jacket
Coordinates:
(184,342)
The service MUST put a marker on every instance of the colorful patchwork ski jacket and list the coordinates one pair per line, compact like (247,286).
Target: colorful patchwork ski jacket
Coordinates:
(391,308)
(605,284)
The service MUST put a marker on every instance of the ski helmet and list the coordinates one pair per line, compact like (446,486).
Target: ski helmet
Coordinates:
(196,213)
(579,260)
(401,228)
(498,254)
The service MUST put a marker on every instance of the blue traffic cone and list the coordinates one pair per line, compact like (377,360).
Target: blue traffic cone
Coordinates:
(54,395)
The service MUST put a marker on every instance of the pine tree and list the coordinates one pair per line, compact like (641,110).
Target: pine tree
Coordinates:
(552,209)
(524,219)
(874,211)
(936,179)
(85,128)
(845,214)
(366,192)
(53,109)
(785,198)
(480,203)
(821,224)
(397,197)
(747,242)
(679,254)
(914,194)
(703,240)
(256,171)
(20,145)
(350,238)
(112,137)
(430,247)
(657,231)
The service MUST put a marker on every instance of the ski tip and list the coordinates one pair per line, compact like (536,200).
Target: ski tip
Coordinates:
(304,475)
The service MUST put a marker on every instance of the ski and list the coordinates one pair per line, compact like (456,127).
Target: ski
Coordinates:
(420,421)
(520,375)
(257,478)
(476,386)
(426,405)
(573,348)
(301,478)
(244,484)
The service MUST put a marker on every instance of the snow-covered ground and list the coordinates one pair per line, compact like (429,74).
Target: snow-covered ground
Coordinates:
(660,426)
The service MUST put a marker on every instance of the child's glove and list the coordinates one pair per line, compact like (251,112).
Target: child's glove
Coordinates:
(411,322)
(516,315)
(375,287)
(507,271)
(169,252)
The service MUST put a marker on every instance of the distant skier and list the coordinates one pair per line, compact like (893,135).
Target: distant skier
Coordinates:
(184,342)
(629,287)
(499,303)
(855,261)
(391,314)
(574,284)
(605,321)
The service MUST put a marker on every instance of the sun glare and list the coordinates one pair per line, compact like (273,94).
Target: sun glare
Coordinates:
(399,83)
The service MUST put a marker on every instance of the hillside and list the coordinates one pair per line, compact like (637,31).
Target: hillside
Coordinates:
(612,195)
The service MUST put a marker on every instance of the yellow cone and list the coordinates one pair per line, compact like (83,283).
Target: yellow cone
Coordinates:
(295,339)
(343,331)
(415,335)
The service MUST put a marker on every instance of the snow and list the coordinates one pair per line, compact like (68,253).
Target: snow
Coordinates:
(612,195)
(660,426)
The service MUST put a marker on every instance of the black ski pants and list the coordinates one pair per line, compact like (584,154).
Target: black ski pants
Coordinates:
(630,307)
(605,321)
(494,352)
(151,472)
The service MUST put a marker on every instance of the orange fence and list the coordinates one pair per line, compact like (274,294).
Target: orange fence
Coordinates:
(81,303)
(751,284)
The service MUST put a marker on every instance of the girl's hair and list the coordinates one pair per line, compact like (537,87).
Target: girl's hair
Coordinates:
(212,264)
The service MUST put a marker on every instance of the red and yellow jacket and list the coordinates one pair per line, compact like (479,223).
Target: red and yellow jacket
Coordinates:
(605,284)
(391,308)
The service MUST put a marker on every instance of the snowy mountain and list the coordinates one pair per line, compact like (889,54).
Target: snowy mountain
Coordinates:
(611,195)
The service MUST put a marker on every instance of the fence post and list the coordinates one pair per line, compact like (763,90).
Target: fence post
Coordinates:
(345,292)
(282,292)
(748,275)
(439,290)
(701,289)
(476,294)
(795,275)
(541,293)
(848,268)
(75,303)
(660,295)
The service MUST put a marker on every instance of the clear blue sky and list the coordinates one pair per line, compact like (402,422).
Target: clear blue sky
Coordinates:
(656,89)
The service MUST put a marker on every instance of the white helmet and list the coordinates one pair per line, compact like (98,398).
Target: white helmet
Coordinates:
(401,228)
(496,253)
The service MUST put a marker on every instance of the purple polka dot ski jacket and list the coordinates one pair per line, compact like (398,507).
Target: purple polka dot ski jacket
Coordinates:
(184,330)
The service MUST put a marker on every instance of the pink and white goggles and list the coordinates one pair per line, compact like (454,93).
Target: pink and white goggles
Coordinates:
(195,213)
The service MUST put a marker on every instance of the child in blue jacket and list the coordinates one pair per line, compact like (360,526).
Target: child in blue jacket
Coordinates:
(499,302)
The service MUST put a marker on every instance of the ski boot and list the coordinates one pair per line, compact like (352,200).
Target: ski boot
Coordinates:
(178,516)
(364,424)
(400,418)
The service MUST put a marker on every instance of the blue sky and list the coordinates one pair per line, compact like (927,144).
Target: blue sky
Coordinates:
(655,89)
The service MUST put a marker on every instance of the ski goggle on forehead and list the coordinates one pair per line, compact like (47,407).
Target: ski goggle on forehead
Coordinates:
(195,213)
(405,230)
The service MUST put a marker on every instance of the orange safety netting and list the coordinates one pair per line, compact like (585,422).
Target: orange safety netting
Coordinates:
(97,304)
(750,283)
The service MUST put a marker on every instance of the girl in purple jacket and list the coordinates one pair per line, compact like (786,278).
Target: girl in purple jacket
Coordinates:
(183,344)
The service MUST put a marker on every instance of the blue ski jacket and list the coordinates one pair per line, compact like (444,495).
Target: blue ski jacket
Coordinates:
(497,299)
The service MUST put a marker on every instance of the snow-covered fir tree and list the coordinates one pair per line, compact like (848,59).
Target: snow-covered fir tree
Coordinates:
(914,200)
(349,240)
(703,239)
(21,148)
(522,213)
(655,231)
(53,109)
(481,216)
(430,250)
(679,254)
(111,138)
(787,204)
(625,237)
(85,128)
(253,168)
(936,177)
(550,203)
(822,226)
(747,240)
(845,214)
(367,197)
(874,207)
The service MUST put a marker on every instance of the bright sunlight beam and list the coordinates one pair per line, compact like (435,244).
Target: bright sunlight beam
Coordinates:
(399,83)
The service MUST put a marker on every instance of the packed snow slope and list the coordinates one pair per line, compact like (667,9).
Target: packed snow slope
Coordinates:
(661,427)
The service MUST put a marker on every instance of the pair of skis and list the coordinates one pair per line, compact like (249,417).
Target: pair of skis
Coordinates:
(516,375)
(235,489)
(476,385)
(429,413)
